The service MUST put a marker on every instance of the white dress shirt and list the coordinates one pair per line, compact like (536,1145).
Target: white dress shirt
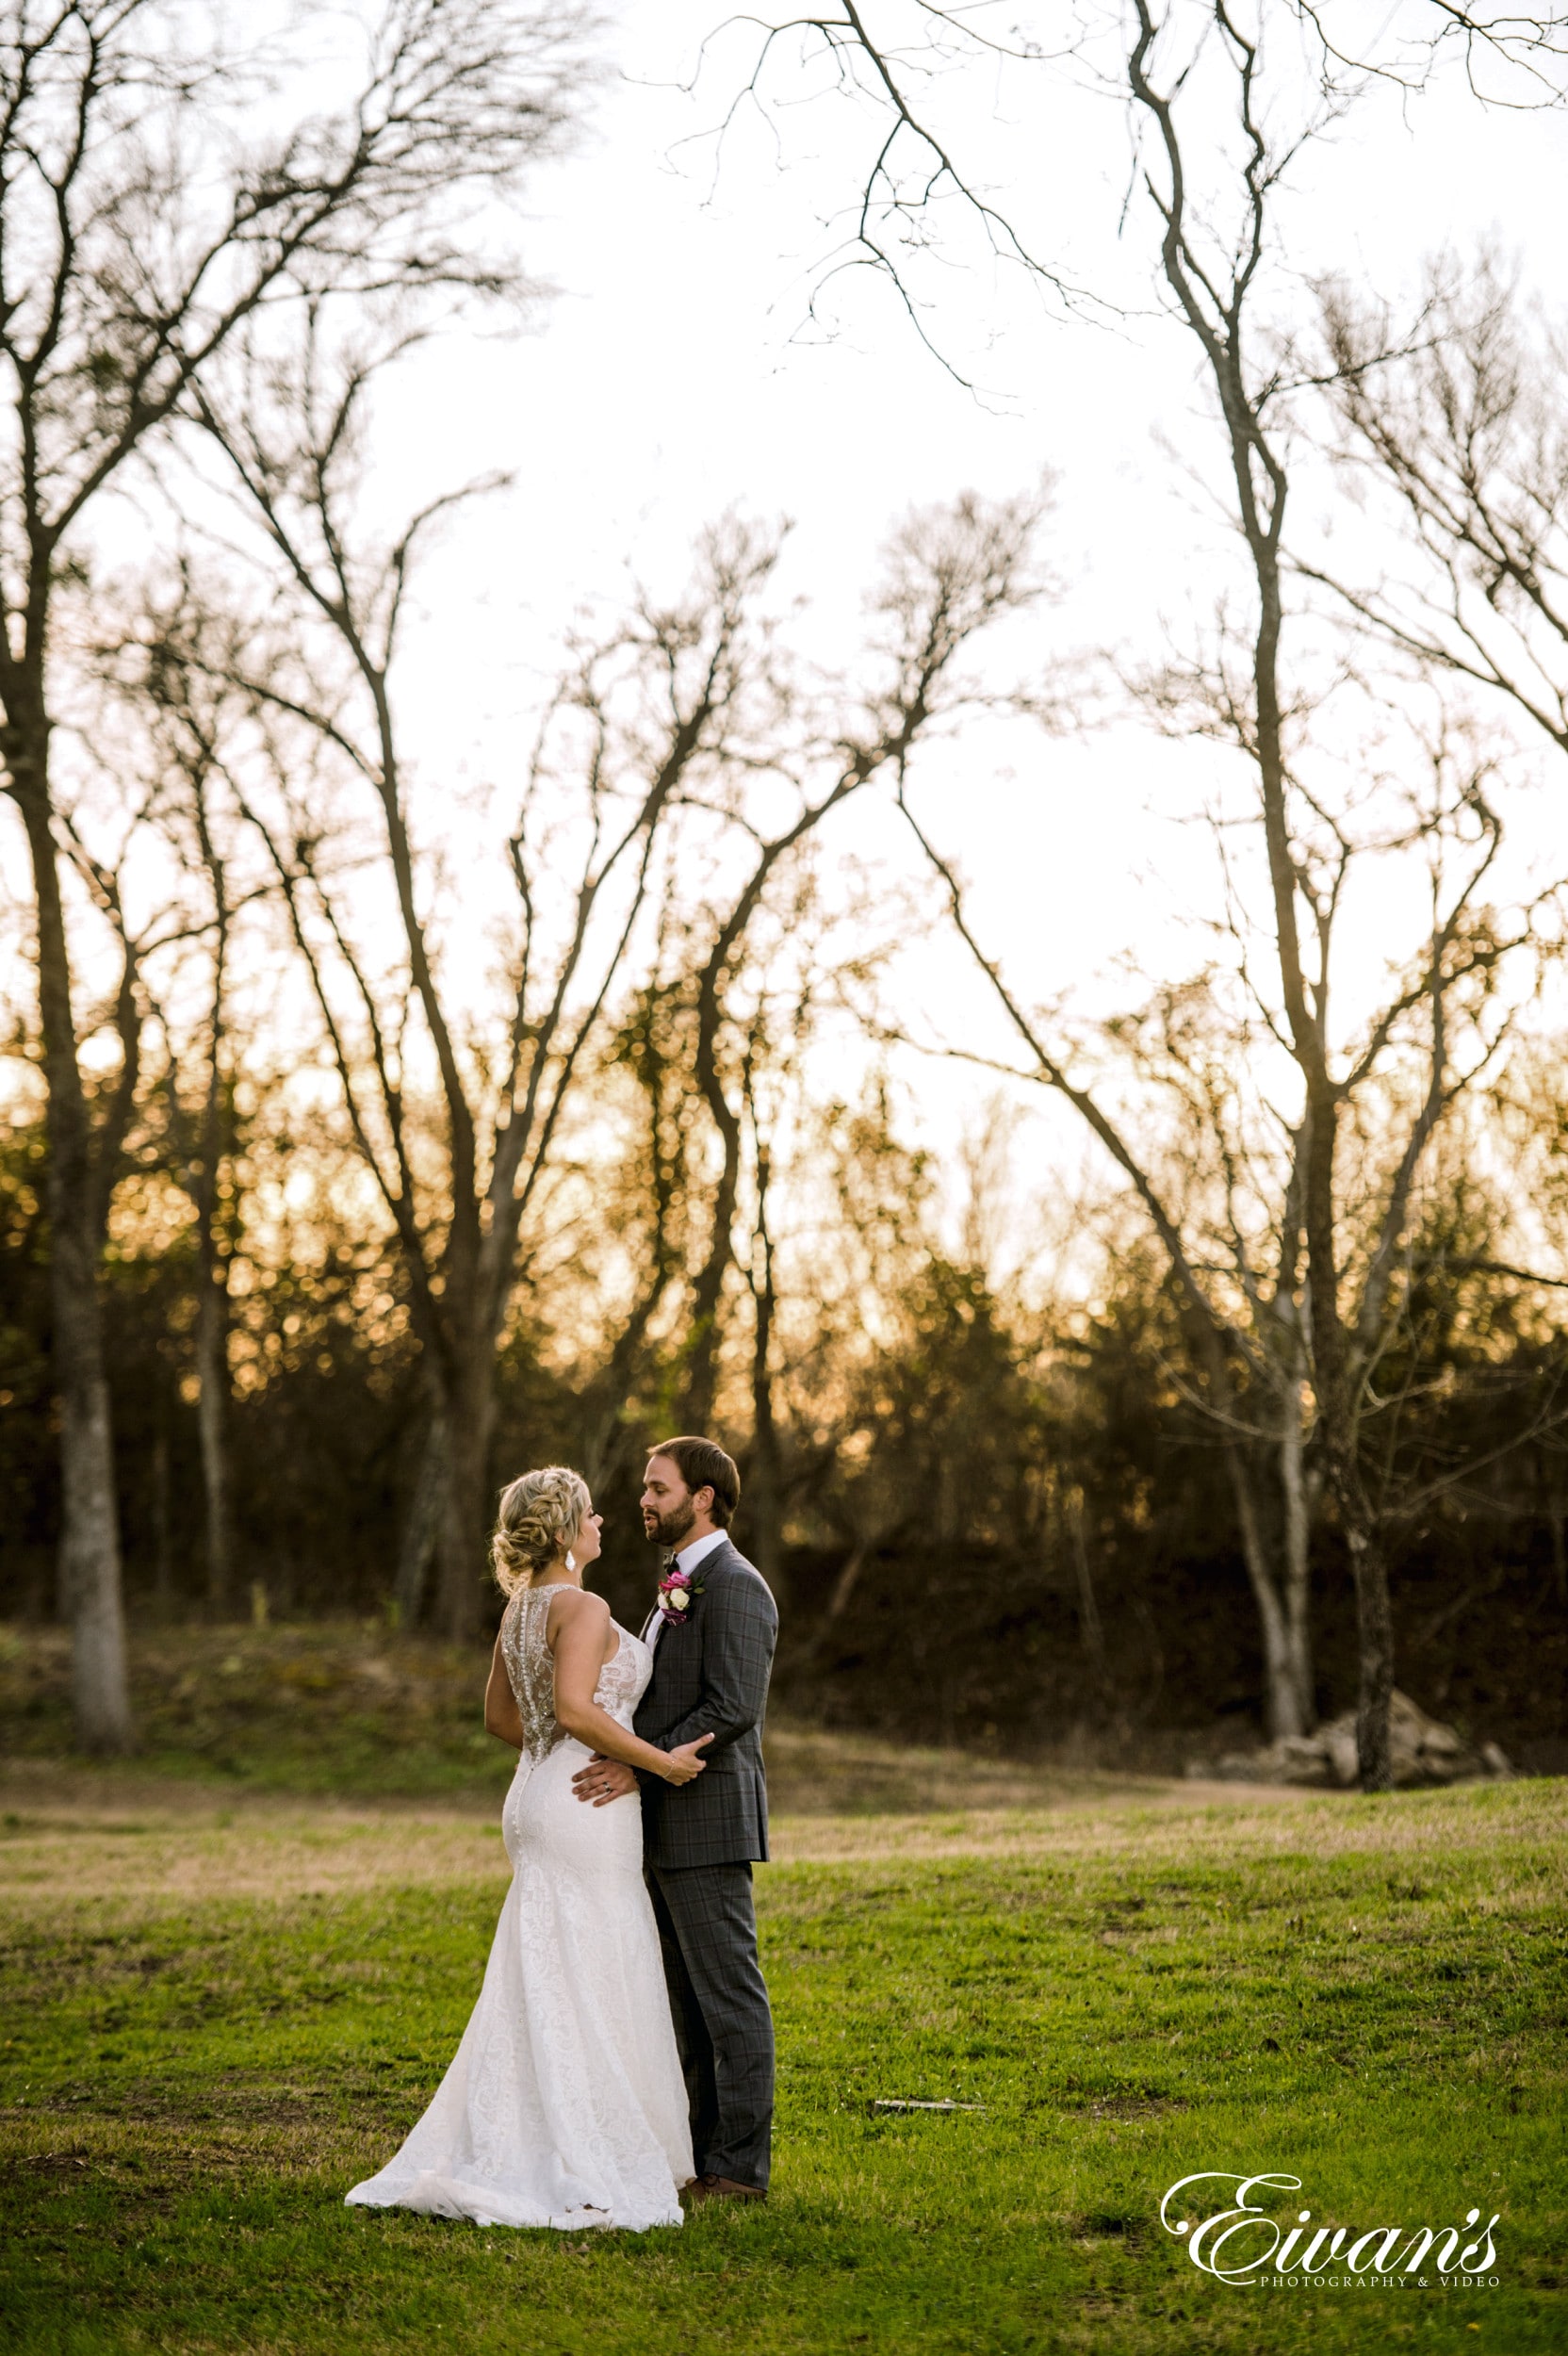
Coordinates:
(687,1558)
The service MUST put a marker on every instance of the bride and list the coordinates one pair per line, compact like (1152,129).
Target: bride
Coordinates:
(566,2104)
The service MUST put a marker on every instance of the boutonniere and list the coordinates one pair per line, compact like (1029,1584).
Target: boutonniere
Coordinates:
(676,1589)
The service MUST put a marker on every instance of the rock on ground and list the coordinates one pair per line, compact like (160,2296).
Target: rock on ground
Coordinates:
(1422,1751)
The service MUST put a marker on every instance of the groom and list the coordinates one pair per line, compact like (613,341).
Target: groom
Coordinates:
(711,1667)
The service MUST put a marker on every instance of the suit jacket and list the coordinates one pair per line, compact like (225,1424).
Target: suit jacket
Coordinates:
(711,1676)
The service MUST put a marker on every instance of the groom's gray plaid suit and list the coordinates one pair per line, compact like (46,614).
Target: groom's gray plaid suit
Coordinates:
(711,1675)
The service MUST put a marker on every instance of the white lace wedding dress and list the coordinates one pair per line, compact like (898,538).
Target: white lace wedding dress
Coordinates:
(566,2104)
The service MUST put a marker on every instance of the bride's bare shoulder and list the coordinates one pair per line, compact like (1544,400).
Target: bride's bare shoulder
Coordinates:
(572,1605)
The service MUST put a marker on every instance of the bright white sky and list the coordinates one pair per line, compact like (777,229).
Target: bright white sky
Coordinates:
(675,373)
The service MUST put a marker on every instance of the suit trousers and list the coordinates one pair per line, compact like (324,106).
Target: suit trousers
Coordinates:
(723,2025)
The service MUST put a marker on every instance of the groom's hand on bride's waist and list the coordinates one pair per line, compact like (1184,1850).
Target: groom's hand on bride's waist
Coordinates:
(604,1780)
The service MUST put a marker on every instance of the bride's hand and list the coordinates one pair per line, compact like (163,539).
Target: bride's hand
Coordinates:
(685,1764)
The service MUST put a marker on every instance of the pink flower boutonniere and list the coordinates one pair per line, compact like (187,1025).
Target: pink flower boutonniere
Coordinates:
(676,1589)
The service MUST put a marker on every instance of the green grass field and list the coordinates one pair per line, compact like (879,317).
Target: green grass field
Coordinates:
(216,2014)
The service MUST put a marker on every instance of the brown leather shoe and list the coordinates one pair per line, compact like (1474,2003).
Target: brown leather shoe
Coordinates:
(713,2187)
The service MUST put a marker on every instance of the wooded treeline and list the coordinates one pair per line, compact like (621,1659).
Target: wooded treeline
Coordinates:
(373,1136)
(995,1519)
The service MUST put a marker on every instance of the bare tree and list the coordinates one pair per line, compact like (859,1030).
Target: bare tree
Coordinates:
(640,714)
(1458,420)
(1212,278)
(727,718)
(953,573)
(1232,1219)
(1178,65)
(154,679)
(85,1164)
(795,979)
(424,1517)
(689,710)
(765,1484)
(1512,58)
(144,216)
(650,1047)
(215,1155)
(1228,1174)
(909,172)
(204,1165)
(863,1238)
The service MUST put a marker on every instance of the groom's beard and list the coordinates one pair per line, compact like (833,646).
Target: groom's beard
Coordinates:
(667,1530)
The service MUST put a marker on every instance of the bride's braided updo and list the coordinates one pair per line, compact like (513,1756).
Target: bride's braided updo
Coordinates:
(540,1516)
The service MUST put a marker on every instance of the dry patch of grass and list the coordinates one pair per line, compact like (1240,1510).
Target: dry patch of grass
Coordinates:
(162,1856)
(166,1844)
(175,1846)
(813,1773)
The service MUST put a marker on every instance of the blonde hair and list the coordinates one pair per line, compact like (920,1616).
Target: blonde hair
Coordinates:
(540,1516)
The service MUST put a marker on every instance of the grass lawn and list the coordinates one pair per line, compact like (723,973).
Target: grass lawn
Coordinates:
(215,2018)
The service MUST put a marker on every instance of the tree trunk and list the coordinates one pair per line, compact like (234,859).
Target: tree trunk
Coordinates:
(422,1531)
(212,1315)
(1283,1668)
(468,1507)
(1333,1379)
(212,1402)
(163,1552)
(1363,1541)
(1298,1560)
(100,1684)
(1375,1631)
(839,1601)
(764,1512)
(765,1484)
(702,1361)
(90,1577)
(1090,1630)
